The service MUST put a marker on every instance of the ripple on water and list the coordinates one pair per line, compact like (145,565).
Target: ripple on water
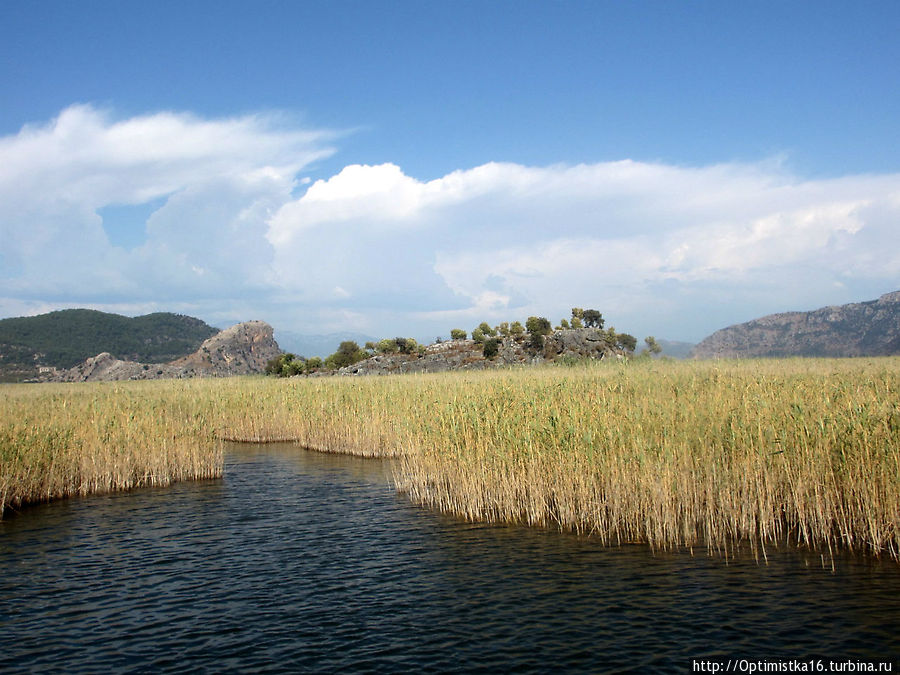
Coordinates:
(299,561)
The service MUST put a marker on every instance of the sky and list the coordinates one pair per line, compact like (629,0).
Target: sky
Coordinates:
(405,168)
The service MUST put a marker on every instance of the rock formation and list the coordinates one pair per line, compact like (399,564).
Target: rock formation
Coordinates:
(860,329)
(468,355)
(242,349)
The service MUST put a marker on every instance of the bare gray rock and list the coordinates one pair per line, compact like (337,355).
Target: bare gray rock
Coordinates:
(468,355)
(577,342)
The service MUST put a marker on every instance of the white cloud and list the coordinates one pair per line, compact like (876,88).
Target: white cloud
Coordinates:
(219,182)
(657,248)
(642,242)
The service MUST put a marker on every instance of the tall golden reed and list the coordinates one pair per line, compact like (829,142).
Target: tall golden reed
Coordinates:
(714,454)
(805,452)
(78,439)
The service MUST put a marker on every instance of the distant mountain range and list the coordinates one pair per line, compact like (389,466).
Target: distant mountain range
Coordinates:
(860,329)
(65,338)
(674,349)
(308,346)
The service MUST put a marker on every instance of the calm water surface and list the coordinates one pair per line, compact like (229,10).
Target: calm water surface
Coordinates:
(304,562)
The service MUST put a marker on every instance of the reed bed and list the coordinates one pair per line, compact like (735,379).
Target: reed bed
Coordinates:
(708,454)
(713,454)
(65,440)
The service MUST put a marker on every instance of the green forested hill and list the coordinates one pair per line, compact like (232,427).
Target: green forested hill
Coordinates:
(67,337)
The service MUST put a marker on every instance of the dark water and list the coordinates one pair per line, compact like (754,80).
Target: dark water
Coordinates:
(303,562)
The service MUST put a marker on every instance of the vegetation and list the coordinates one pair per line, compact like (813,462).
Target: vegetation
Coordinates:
(593,319)
(625,341)
(347,354)
(68,337)
(799,452)
(537,327)
(486,329)
(65,440)
(458,334)
(288,365)
(673,454)
(491,348)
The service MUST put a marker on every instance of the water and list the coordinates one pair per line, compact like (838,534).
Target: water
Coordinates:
(303,562)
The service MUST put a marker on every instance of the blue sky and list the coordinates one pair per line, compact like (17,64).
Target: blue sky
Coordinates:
(410,167)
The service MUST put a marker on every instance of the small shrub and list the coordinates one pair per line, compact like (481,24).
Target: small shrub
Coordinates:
(491,348)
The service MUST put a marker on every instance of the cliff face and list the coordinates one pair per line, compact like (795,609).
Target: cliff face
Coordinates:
(242,349)
(860,329)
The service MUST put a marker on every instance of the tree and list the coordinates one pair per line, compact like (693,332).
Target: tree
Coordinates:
(403,345)
(593,318)
(458,334)
(503,328)
(626,341)
(486,329)
(577,313)
(652,345)
(313,364)
(287,365)
(564,324)
(576,322)
(387,346)
(407,345)
(347,354)
(491,348)
(276,365)
(538,324)
(516,328)
(538,327)
(478,335)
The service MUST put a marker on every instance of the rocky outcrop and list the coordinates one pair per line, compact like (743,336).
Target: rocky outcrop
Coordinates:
(468,355)
(579,342)
(242,349)
(860,329)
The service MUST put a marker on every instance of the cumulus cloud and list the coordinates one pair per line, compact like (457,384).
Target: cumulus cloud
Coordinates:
(643,242)
(217,181)
(657,248)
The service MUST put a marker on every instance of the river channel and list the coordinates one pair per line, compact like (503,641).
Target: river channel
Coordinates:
(298,561)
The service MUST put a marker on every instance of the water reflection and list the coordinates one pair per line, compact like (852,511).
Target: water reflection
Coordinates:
(300,561)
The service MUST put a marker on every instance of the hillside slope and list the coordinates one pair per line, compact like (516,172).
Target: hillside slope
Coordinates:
(242,349)
(859,329)
(64,338)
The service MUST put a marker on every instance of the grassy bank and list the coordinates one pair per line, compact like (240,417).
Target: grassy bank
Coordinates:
(804,452)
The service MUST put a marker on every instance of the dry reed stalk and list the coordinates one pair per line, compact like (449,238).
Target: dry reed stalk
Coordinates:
(805,452)
(65,440)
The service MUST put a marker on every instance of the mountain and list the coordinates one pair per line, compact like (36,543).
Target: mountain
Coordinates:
(64,338)
(675,349)
(318,345)
(243,349)
(860,329)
